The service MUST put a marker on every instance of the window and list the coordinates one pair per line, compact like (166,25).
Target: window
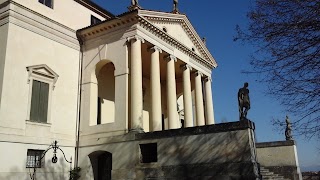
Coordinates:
(149,153)
(34,159)
(94,20)
(42,81)
(39,101)
(47,3)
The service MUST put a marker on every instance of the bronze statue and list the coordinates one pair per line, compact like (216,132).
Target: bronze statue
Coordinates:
(243,101)
(288,129)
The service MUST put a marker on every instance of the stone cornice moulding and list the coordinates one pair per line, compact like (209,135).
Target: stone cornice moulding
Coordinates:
(108,25)
(39,24)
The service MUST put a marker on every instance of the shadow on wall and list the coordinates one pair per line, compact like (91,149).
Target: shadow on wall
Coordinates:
(60,170)
(220,155)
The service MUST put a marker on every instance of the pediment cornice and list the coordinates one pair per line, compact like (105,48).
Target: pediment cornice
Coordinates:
(44,71)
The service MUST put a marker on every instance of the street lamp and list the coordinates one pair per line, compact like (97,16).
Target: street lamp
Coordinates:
(54,159)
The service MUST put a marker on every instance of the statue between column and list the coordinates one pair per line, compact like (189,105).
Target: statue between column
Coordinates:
(288,129)
(243,101)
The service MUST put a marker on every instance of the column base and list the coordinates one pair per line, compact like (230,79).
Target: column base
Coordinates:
(137,130)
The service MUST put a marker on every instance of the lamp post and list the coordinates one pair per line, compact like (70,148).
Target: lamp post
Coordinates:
(54,159)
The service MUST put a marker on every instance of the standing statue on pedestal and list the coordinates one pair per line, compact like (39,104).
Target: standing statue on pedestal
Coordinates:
(175,6)
(288,129)
(243,101)
(134,5)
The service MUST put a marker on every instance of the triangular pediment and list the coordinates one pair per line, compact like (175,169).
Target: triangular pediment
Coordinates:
(179,28)
(43,70)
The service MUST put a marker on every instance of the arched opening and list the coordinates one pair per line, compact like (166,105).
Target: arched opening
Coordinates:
(106,92)
(101,162)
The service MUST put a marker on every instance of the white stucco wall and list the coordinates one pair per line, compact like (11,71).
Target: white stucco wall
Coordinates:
(96,52)
(15,96)
(66,12)
(14,157)
(3,48)
(27,47)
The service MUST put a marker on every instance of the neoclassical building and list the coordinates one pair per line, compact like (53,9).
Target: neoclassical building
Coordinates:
(125,97)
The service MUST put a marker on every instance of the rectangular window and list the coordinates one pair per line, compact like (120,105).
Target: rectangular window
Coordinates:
(94,20)
(39,101)
(149,153)
(34,158)
(47,3)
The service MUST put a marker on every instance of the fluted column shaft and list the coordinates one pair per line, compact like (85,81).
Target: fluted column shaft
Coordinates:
(187,97)
(156,120)
(136,84)
(209,103)
(171,93)
(199,100)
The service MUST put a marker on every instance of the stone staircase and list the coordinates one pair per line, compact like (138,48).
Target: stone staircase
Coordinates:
(266,174)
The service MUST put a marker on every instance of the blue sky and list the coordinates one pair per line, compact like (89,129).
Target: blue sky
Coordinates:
(216,20)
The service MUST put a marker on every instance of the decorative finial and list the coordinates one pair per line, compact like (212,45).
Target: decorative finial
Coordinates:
(175,7)
(134,5)
(288,129)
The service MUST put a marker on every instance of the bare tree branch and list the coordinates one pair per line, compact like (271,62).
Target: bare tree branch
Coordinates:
(287,36)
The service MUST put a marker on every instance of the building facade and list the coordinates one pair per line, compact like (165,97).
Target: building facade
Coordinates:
(121,97)
(39,74)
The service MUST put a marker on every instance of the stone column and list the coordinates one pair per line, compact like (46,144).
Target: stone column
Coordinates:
(171,93)
(187,97)
(199,99)
(136,83)
(156,114)
(209,103)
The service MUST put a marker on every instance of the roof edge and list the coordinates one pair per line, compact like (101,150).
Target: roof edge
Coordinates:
(95,8)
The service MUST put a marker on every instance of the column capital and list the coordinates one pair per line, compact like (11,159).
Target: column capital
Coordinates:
(170,57)
(185,66)
(198,73)
(155,48)
(207,78)
(135,37)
